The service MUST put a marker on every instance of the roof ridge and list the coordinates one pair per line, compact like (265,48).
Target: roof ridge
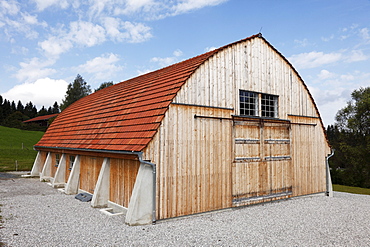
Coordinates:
(140,102)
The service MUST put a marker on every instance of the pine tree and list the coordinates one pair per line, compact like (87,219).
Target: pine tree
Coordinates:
(104,85)
(30,110)
(75,91)
(42,112)
(55,108)
(20,107)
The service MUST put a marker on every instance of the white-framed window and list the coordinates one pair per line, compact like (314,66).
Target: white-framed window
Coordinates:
(258,104)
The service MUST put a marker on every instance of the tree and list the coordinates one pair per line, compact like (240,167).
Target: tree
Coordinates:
(7,110)
(351,138)
(55,108)
(355,117)
(1,110)
(42,112)
(75,91)
(104,85)
(13,107)
(30,110)
(20,107)
(15,120)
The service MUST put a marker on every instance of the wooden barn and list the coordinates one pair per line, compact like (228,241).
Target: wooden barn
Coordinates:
(232,127)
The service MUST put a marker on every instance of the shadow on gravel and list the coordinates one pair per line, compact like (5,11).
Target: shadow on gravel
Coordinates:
(6,175)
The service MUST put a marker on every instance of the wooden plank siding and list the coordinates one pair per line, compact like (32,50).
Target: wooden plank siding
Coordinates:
(308,156)
(89,172)
(122,179)
(43,156)
(194,156)
(194,161)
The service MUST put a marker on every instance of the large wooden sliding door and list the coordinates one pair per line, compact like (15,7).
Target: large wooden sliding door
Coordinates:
(262,169)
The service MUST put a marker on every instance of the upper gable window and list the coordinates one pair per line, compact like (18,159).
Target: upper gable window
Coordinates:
(269,105)
(257,104)
(248,103)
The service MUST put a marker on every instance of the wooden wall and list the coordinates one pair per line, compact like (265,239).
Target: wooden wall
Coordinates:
(195,156)
(43,156)
(308,154)
(122,179)
(193,161)
(89,172)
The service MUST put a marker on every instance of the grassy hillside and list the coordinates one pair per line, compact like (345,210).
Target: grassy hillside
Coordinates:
(17,145)
(349,189)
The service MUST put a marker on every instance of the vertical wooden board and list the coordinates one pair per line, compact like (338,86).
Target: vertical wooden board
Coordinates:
(122,180)
(68,170)
(195,175)
(89,172)
(53,164)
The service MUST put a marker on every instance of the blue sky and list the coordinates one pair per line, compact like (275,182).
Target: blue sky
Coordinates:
(46,43)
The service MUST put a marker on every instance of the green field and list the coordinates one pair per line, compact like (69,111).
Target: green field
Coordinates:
(17,146)
(349,189)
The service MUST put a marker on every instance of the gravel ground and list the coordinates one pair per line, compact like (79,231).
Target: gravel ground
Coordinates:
(34,214)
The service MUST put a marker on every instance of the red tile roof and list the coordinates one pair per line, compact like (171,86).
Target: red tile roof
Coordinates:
(41,118)
(125,116)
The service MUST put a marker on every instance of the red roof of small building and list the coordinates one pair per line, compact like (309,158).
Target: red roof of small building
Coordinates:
(125,116)
(41,118)
(122,117)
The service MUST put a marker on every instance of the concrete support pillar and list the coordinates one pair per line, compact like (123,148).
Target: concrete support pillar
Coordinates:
(36,168)
(46,170)
(140,209)
(60,174)
(329,185)
(101,192)
(74,178)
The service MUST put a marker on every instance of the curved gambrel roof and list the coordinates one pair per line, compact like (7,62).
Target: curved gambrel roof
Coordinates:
(125,116)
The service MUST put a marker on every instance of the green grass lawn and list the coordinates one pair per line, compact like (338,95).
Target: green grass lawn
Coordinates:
(17,145)
(349,189)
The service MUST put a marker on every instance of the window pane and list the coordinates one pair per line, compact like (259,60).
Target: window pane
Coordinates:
(269,105)
(248,103)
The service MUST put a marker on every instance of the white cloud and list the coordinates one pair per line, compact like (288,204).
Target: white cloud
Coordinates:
(121,31)
(82,33)
(165,61)
(331,91)
(55,46)
(302,43)
(314,59)
(13,21)
(103,68)
(43,4)
(189,5)
(356,55)
(327,39)
(9,7)
(330,101)
(137,33)
(364,33)
(34,69)
(207,49)
(134,6)
(86,33)
(43,92)
(142,72)
(324,74)
(147,9)
(177,53)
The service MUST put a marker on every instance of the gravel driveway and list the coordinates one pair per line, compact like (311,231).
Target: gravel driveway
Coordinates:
(34,214)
